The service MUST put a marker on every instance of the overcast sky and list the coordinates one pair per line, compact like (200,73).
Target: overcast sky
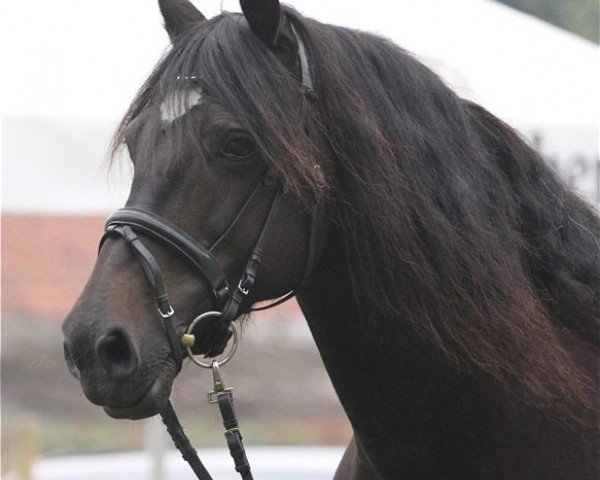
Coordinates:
(87,58)
(71,67)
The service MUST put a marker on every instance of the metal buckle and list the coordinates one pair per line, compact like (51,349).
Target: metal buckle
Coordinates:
(169,314)
(244,291)
(218,385)
(211,395)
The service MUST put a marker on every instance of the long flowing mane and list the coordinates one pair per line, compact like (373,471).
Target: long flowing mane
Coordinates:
(450,221)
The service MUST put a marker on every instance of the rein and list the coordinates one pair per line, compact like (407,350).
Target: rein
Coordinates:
(131,222)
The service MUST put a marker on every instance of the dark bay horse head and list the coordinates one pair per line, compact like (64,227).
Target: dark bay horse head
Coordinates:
(446,253)
(218,133)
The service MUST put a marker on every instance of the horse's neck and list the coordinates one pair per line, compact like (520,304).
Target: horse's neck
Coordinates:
(393,385)
(413,414)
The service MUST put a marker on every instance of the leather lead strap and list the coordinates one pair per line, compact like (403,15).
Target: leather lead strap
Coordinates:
(233,435)
(182,442)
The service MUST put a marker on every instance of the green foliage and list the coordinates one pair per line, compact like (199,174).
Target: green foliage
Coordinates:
(578,16)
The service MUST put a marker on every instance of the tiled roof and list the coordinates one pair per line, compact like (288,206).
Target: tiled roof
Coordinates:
(46,261)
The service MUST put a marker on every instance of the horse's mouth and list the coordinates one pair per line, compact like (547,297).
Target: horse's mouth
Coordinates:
(149,404)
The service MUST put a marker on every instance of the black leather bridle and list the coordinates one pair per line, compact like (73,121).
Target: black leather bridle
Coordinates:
(130,223)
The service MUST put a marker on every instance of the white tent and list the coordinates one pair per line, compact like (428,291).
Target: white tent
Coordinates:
(71,68)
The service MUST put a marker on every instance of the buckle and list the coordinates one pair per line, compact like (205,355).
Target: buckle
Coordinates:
(213,395)
(168,314)
(247,281)
(243,290)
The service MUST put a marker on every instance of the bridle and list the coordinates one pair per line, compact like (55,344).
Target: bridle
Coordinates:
(131,222)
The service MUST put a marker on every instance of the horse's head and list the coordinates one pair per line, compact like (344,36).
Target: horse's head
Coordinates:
(225,175)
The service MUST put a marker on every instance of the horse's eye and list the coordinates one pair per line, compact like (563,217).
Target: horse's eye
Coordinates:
(239,147)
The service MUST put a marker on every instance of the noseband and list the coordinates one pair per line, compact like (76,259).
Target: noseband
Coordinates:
(129,223)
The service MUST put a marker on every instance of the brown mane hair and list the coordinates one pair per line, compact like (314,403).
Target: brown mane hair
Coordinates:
(450,221)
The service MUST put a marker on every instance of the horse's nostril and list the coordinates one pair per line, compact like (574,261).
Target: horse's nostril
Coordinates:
(116,354)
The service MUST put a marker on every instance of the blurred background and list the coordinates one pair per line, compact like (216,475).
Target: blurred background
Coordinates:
(70,68)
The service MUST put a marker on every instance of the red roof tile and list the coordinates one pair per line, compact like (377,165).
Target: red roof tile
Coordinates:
(46,261)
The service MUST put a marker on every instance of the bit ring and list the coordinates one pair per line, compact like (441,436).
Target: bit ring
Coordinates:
(229,354)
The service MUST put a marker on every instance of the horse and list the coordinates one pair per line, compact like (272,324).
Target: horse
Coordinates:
(450,279)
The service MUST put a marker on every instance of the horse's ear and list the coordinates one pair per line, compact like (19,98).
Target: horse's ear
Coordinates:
(179,15)
(269,23)
(264,17)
